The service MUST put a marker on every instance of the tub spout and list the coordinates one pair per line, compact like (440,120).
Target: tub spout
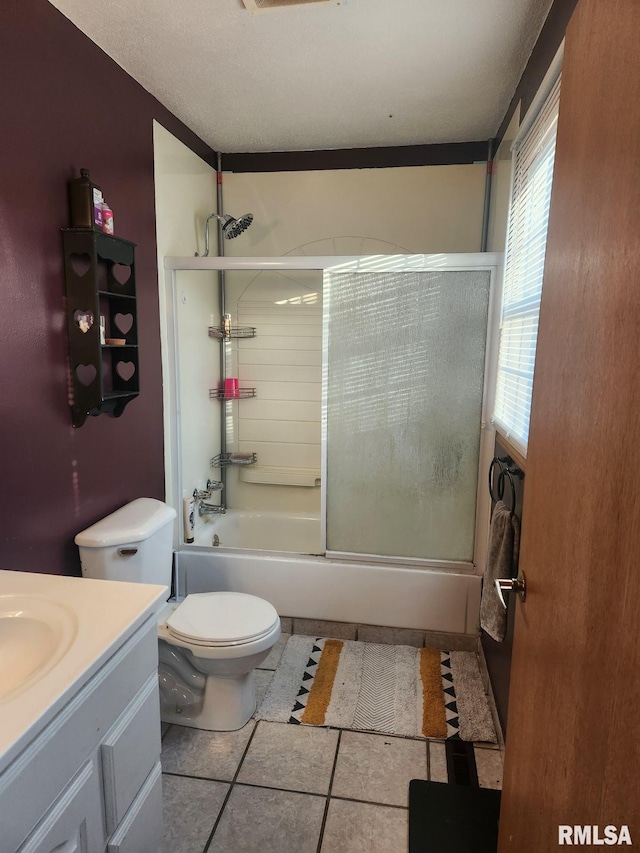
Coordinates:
(211,509)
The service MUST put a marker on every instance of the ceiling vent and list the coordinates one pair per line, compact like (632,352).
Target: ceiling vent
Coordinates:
(265,5)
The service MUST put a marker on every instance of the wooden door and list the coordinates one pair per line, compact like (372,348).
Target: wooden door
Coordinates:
(573,755)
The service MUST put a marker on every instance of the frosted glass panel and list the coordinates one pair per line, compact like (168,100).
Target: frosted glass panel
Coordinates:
(404,402)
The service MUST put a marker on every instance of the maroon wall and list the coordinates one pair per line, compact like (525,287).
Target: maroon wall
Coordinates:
(65,105)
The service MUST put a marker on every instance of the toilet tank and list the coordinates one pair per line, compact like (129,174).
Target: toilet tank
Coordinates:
(134,543)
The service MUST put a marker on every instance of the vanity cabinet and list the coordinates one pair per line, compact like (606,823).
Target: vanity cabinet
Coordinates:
(73,819)
(100,281)
(91,780)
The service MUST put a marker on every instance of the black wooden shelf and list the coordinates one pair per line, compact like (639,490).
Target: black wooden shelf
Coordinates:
(116,395)
(111,295)
(100,280)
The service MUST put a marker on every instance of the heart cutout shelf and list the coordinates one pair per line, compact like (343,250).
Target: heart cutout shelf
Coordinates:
(124,322)
(121,273)
(80,263)
(125,370)
(83,318)
(101,285)
(86,374)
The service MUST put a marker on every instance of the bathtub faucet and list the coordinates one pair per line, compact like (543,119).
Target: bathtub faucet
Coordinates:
(211,509)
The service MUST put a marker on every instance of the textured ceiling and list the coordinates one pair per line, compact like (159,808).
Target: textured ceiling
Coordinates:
(359,74)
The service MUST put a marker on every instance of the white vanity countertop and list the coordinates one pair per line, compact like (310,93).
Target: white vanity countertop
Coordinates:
(106,614)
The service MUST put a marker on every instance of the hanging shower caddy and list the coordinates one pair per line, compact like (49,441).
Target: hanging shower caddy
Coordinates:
(225,332)
(227,460)
(225,394)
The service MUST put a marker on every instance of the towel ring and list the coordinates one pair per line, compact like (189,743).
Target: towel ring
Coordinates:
(507,472)
(495,461)
(504,463)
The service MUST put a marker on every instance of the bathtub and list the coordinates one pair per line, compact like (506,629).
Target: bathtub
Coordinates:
(263,530)
(255,555)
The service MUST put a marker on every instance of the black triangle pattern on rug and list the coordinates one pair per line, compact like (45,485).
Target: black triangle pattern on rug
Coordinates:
(451,705)
(308,677)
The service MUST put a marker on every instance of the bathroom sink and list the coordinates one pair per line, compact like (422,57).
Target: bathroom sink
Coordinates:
(34,635)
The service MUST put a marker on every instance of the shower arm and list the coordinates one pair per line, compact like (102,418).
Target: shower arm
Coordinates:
(206,231)
(228,228)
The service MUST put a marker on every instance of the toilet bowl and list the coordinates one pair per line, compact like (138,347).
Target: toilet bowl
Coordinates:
(221,637)
(209,644)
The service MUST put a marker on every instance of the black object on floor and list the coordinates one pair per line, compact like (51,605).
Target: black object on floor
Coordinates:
(461,763)
(452,818)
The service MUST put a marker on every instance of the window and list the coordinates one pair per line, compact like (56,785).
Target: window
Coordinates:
(533,158)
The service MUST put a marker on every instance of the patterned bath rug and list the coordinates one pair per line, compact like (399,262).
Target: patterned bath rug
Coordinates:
(397,690)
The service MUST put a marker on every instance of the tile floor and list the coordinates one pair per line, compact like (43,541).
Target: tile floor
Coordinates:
(278,788)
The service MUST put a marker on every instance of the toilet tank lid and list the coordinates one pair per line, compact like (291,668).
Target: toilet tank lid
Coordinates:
(134,522)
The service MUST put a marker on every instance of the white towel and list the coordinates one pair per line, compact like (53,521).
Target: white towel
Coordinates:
(502,562)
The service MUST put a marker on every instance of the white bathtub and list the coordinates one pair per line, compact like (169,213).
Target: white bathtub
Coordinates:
(309,586)
(263,530)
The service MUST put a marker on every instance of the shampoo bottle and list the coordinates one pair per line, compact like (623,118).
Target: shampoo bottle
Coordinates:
(189,507)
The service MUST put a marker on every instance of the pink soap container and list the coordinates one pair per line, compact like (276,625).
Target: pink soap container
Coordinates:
(231,389)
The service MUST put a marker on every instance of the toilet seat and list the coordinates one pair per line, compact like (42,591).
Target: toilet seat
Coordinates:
(217,619)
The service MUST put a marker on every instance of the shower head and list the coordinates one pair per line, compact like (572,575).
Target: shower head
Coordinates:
(233,227)
(230,227)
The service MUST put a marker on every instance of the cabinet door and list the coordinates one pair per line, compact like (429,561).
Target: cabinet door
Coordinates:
(141,829)
(129,751)
(73,824)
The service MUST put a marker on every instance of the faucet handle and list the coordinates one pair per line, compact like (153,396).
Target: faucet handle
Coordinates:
(215,485)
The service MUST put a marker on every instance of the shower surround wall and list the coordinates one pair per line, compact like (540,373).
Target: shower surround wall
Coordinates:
(57,116)
(283,362)
(185,188)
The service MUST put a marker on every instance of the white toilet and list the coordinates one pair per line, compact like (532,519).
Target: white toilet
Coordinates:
(209,644)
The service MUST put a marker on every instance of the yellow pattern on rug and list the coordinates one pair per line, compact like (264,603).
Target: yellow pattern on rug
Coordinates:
(320,694)
(434,723)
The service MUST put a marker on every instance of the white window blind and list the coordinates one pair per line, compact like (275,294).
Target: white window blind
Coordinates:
(534,156)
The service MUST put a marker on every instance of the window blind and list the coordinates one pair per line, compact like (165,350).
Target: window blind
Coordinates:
(524,266)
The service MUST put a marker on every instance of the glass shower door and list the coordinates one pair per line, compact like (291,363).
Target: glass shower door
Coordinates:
(403,389)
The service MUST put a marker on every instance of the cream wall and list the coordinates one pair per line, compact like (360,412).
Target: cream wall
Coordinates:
(185,189)
(412,209)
